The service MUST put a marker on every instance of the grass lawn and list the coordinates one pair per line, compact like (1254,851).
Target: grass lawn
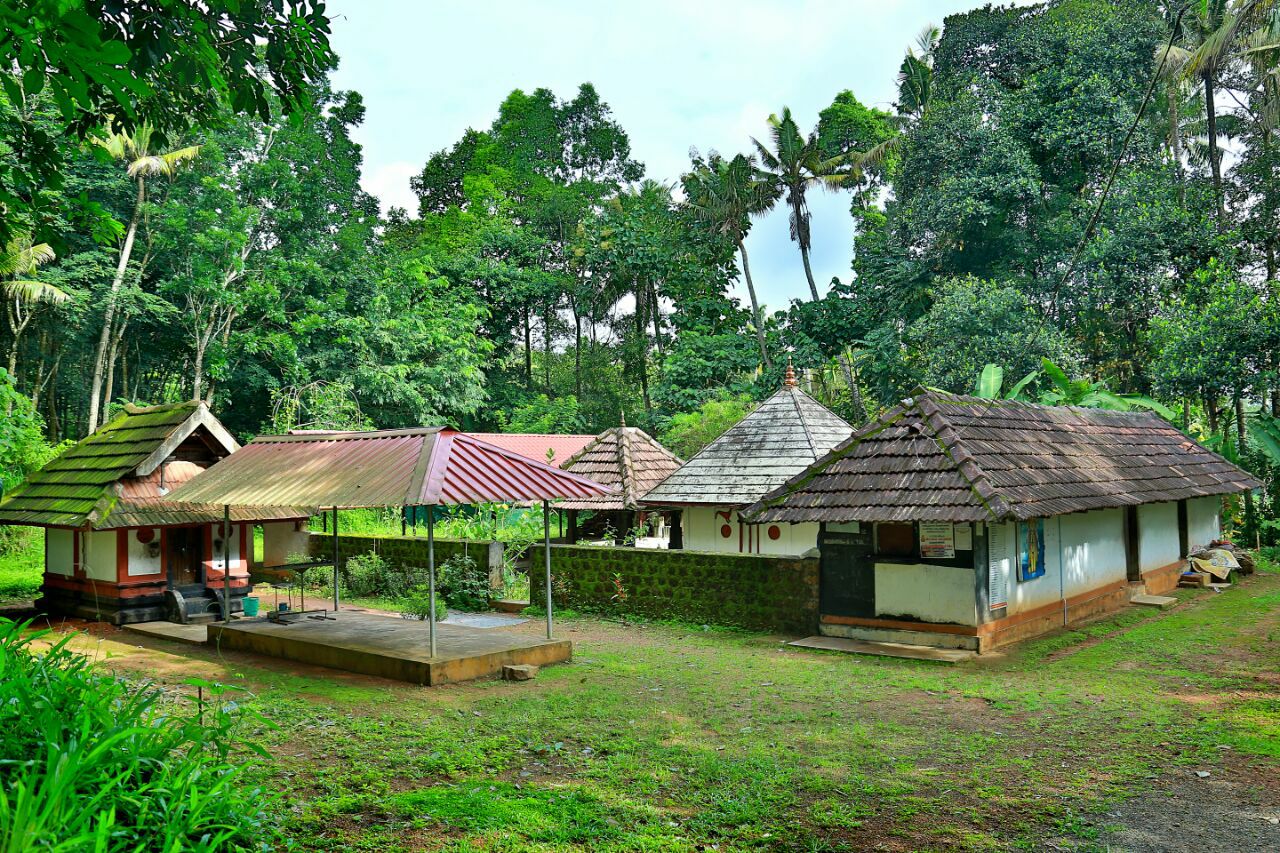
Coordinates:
(662,737)
(20,573)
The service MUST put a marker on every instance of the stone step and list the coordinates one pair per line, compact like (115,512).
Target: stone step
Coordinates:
(892,650)
(1163,602)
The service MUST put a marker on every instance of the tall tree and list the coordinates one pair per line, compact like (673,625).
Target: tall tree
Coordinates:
(791,164)
(143,161)
(726,195)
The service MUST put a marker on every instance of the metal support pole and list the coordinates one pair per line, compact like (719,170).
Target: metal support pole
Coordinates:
(336,601)
(431,572)
(546,551)
(226,563)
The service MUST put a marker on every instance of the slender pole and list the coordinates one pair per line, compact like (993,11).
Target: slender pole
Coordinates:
(335,561)
(431,573)
(546,550)
(226,563)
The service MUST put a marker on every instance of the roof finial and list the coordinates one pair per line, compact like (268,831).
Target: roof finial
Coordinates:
(790,380)
(624,417)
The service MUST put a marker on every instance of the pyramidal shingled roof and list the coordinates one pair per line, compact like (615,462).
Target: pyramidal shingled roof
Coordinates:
(80,488)
(627,458)
(947,457)
(783,436)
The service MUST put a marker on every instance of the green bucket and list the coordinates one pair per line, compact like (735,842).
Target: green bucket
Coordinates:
(251,606)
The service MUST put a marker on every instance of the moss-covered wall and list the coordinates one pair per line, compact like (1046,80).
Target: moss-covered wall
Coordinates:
(745,590)
(409,551)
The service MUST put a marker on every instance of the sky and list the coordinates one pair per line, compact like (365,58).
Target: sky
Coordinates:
(697,73)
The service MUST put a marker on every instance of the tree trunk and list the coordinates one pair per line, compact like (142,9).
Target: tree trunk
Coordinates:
(109,313)
(197,372)
(643,341)
(577,349)
(808,272)
(755,305)
(1175,142)
(546,348)
(1211,413)
(657,319)
(528,350)
(111,367)
(1215,154)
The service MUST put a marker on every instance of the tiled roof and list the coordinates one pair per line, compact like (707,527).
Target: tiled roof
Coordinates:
(945,457)
(782,437)
(80,487)
(628,459)
(534,445)
(426,466)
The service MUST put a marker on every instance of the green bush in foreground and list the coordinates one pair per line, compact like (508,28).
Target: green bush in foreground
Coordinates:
(91,762)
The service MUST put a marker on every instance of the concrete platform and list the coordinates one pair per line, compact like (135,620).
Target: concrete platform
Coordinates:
(194,635)
(1162,602)
(390,648)
(892,650)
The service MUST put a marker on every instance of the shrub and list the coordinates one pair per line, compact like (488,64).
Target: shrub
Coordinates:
(89,761)
(466,583)
(417,605)
(370,576)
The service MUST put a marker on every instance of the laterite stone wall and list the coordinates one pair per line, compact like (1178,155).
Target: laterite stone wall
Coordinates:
(745,590)
(409,551)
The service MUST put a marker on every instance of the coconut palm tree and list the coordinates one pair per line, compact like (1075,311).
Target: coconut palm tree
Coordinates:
(135,149)
(19,261)
(1208,38)
(789,166)
(915,93)
(726,194)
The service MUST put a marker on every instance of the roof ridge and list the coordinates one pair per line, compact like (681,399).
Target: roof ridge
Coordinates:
(804,424)
(625,466)
(952,445)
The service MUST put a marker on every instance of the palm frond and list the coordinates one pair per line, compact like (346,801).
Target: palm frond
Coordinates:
(34,291)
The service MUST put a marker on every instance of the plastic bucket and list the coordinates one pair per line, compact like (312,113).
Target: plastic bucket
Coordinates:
(251,606)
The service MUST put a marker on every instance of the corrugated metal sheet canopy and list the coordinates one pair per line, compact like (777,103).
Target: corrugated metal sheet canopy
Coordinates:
(946,457)
(413,467)
(782,437)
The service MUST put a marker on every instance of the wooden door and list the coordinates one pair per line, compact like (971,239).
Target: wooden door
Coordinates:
(184,557)
(848,574)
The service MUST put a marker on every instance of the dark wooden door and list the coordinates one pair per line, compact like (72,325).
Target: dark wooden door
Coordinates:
(848,584)
(185,547)
(1132,559)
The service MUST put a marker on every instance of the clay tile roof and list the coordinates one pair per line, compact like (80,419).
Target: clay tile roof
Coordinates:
(779,439)
(534,445)
(628,459)
(82,487)
(946,457)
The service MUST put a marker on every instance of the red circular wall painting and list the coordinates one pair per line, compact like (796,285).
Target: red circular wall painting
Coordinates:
(146,535)
(725,531)
(774,532)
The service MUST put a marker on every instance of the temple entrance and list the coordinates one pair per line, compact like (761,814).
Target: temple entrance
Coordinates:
(184,555)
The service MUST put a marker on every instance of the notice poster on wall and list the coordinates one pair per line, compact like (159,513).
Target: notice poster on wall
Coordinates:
(997,566)
(964,537)
(937,539)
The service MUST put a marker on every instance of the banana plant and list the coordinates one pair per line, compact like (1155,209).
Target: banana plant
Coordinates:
(1264,431)
(1064,391)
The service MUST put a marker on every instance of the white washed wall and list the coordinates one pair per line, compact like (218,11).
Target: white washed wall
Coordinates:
(60,555)
(702,533)
(931,593)
(283,539)
(1157,535)
(141,562)
(100,555)
(1082,551)
(1203,521)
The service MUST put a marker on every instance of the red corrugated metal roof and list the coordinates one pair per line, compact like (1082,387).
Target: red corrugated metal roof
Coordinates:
(534,445)
(412,467)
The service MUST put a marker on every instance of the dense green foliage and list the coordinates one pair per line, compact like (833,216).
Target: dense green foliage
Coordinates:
(89,761)
(1050,183)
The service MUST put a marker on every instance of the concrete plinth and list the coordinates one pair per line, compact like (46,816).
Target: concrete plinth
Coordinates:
(399,649)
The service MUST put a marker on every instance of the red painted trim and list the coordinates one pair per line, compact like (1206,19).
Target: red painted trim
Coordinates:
(164,556)
(122,556)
